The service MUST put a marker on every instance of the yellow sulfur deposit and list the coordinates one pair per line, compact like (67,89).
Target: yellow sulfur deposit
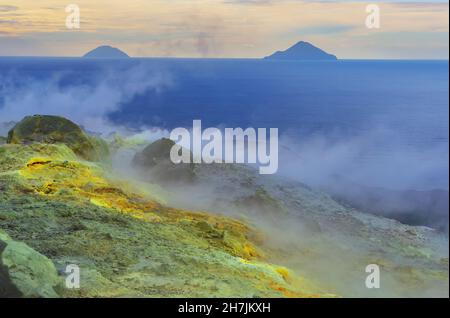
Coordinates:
(156,251)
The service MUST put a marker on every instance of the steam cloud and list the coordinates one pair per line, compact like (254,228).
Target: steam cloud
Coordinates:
(87,105)
(363,160)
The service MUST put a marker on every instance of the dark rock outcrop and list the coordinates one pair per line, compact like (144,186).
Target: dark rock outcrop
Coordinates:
(155,160)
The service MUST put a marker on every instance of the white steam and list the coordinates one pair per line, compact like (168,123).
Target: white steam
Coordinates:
(87,105)
(377,158)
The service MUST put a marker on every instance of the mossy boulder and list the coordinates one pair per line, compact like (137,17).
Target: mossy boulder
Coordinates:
(53,130)
(155,160)
(24,272)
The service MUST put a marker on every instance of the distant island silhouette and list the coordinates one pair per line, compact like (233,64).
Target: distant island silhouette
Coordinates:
(106,51)
(302,51)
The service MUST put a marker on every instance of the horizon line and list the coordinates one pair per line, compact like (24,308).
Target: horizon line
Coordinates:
(220,58)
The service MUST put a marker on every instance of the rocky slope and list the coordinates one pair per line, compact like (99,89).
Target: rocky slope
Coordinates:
(60,208)
(64,201)
(314,235)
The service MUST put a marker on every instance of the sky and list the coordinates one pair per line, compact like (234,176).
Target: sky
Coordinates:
(226,28)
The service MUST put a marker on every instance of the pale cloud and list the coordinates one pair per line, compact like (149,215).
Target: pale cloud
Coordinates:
(223,28)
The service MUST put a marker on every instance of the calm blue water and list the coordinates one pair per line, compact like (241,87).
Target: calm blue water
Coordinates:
(335,100)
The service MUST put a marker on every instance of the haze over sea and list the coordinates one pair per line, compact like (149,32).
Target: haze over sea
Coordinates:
(378,123)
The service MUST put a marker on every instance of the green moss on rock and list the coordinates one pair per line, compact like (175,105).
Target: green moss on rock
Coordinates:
(53,130)
(24,272)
